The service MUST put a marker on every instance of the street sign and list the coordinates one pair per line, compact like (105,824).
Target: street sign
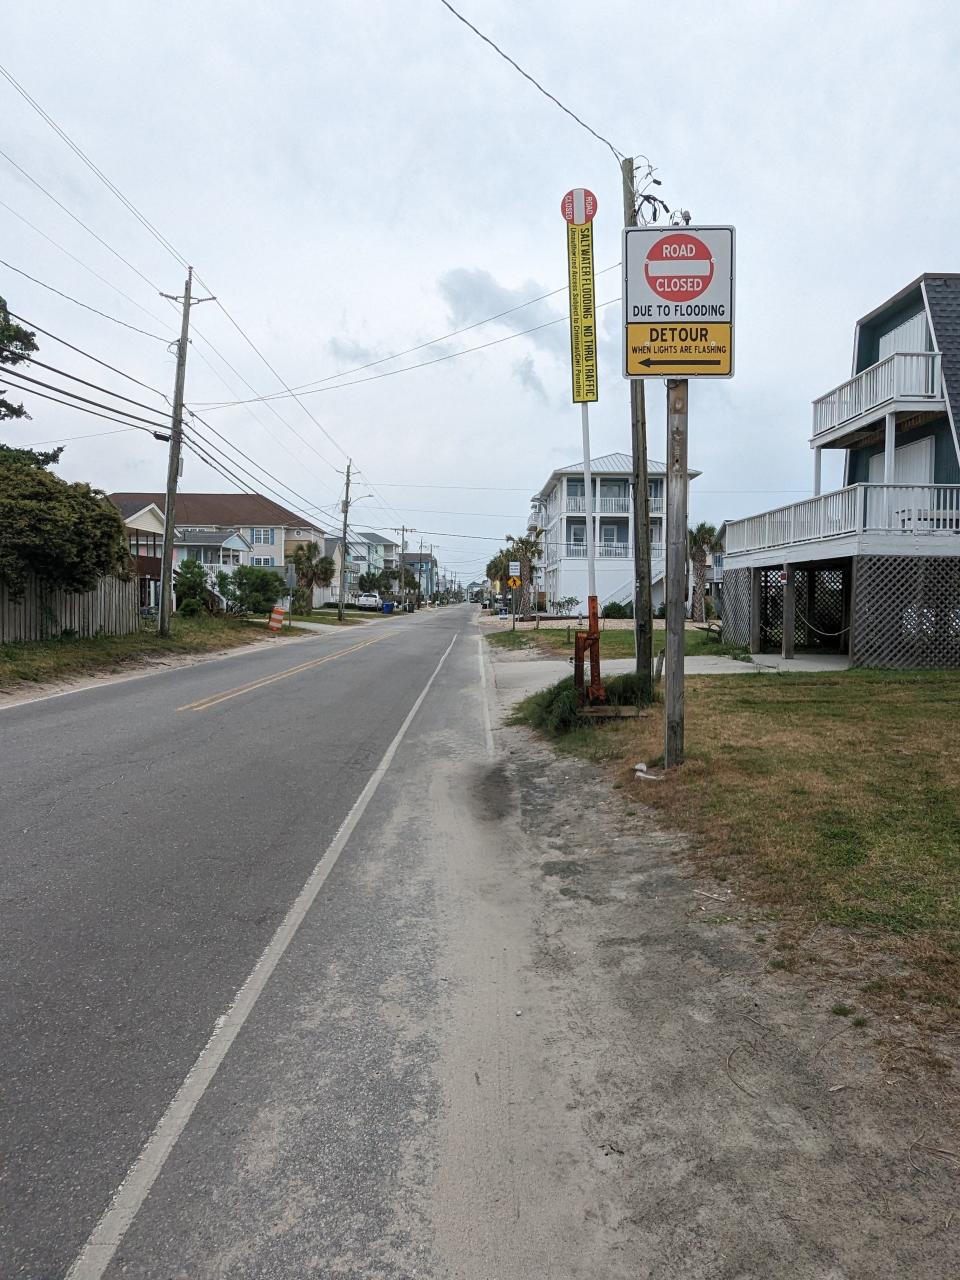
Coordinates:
(579,207)
(513,569)
(678,302)
(513,583)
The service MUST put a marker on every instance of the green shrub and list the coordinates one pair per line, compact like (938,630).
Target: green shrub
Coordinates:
(660,611)
(190,608)
(617,610)
(190,583)
(251,589)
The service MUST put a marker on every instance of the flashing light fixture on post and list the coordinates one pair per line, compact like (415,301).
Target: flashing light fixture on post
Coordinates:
(579,208)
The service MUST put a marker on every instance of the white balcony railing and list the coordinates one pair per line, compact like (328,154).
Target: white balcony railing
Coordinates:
(906,375)
(576,505)
(613,506)
(655,506)
(860,508)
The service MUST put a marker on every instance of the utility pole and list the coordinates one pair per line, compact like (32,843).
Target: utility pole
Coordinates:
(642,588)
(173,459)
(676,566)
(343,553)
(420,575)
(402,574)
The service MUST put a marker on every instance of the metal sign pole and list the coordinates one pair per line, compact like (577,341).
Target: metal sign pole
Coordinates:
(588,500)
(676,567)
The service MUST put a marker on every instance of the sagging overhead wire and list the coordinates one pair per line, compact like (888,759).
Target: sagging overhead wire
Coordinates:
(82,155)
(80,262)
(422,364)
(50,386)
(617,155)
(421,346)
(80,351)
(86,306)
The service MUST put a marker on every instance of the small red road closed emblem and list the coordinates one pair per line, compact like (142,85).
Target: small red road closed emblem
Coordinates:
(579,206)
(678,267)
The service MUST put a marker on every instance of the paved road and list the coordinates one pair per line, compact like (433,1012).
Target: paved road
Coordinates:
(157,832)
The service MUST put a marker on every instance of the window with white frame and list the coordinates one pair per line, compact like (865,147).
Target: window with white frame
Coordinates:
(263,536)
(263,561)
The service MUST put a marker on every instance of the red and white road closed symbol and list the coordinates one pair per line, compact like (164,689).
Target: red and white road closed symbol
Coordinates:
(579,206)
(678,267)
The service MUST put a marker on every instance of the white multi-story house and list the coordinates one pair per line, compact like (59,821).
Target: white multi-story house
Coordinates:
(560,510)
(871,570)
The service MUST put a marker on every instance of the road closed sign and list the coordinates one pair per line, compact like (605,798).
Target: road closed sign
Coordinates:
(678,302)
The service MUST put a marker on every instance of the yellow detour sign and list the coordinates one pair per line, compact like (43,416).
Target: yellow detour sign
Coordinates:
(579,208)
(513,583)
(679,350)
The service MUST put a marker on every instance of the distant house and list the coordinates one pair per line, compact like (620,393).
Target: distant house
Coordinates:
(423,566)
(559,508)
(144,524)
(273,531)
(218,550)
(871,570)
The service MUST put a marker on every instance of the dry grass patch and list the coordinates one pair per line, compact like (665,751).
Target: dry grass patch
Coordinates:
(833,799)
(35,662)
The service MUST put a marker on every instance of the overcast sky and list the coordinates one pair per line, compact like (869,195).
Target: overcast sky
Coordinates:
(353,178)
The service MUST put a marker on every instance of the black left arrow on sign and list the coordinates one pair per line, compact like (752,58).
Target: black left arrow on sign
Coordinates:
(648,363)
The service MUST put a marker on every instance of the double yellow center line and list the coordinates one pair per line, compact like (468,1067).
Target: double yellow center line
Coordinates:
(204,704)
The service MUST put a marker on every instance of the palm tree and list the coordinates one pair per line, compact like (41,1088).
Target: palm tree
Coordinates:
(497,569)
(702,541)
(312,569)
(528,551)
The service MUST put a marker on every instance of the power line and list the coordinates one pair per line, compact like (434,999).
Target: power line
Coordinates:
(80,262)
(79,221)
(86,306)
(80,351)
(310,507)
(617,155)
(129,417)
(93,435)
(423,364)
(422,346)
(93,385)
(80,408)
(145,222)
(92,167)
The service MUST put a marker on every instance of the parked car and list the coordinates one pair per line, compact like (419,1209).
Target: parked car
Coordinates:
(369,600)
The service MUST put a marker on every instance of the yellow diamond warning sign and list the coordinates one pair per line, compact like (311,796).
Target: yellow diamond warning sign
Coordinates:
(679,350)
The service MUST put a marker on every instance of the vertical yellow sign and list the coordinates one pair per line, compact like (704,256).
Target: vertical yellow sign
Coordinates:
(583,318)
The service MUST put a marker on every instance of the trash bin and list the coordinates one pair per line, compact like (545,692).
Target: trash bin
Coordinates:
(388,606)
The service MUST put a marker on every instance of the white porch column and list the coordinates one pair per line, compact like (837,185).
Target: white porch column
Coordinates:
(889,445)
(817,471)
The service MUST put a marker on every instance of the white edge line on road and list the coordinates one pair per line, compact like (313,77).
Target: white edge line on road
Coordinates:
(107,1235)
(487,726)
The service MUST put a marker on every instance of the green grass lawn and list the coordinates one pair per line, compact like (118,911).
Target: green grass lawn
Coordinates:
(613,644)
(41,660)
(831,798)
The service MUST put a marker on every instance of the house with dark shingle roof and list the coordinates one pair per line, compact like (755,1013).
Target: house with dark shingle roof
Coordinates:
(251,529)
(872,570)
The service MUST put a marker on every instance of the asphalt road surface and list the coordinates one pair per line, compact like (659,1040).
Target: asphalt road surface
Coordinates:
(158,833)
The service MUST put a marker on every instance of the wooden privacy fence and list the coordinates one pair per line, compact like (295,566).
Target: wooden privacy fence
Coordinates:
(111,609)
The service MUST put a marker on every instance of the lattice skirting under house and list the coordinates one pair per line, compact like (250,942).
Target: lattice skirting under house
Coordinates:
(907,612)
(736,607)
